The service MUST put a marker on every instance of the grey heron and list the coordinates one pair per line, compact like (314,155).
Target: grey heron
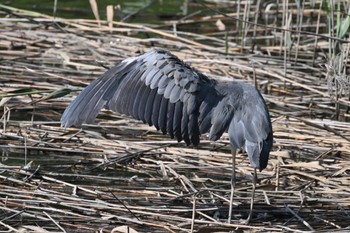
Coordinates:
(161,90)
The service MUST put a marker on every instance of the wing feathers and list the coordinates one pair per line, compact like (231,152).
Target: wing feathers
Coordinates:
(220,120)
(137,98)
(128,97)
(177,121)
(193,129)
(155,87)
(169,88)
(175,94)
(185,126)
(155,81)
(159,89)
(142,104)
(170,126)
(162,118)
(151,75)
(156,109)
(86,106)
(149,106)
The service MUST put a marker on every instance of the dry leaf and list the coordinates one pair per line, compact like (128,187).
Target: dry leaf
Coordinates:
(221,26)
(123,229)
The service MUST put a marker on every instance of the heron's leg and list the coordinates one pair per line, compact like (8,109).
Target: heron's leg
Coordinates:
(255,178)
(233,181)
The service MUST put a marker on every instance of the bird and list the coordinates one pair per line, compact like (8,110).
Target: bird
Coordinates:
(159,89)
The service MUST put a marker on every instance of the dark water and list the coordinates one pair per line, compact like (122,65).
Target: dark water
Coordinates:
(155,12)
(134,11)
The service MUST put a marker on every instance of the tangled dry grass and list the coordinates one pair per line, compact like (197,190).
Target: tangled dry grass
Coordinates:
(119,175)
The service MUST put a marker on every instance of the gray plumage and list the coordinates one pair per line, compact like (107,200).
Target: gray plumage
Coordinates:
(161,90)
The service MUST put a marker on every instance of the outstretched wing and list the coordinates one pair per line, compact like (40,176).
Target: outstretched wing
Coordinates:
(155,87)
(161,90)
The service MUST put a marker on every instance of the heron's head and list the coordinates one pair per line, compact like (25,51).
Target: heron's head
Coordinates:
(251,129)
(258,152)
(265,151)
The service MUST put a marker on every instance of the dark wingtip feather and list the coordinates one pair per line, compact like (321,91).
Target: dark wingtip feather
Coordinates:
(85,107)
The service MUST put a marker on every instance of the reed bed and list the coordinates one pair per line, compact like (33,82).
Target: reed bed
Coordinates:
(119,175)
